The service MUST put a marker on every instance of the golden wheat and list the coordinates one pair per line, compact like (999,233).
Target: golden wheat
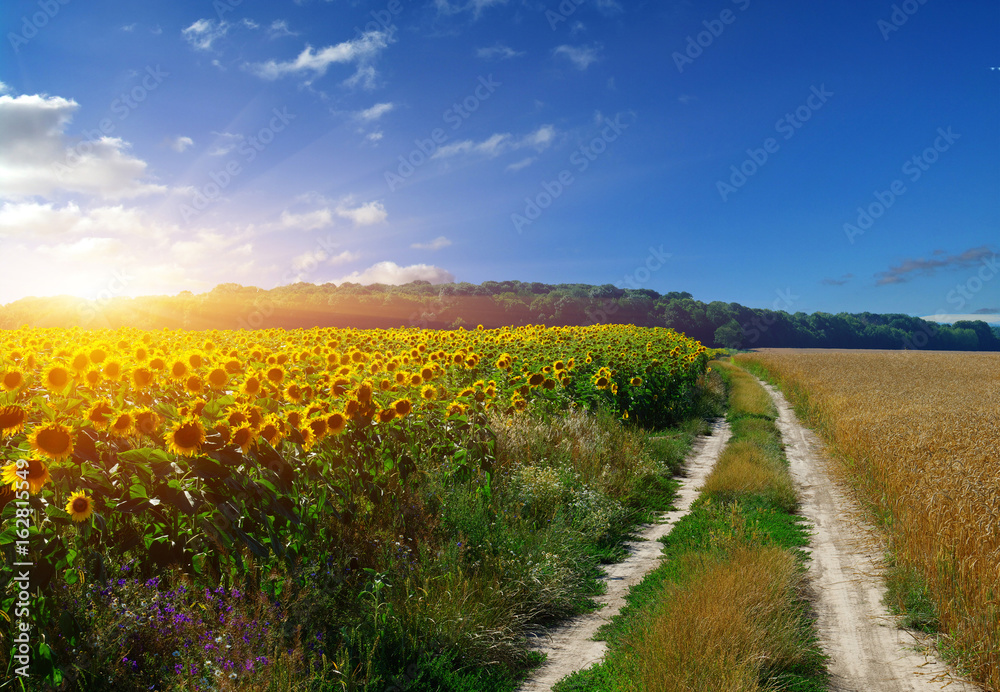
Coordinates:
(920,433)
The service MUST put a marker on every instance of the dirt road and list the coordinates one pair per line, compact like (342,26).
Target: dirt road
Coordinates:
(868,653)
(571,647)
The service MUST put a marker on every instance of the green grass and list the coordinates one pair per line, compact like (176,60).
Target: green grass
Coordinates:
(721,525)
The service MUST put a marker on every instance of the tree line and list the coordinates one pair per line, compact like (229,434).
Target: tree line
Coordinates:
(500,303)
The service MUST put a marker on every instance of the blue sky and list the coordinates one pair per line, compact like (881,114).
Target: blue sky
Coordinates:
(834,156)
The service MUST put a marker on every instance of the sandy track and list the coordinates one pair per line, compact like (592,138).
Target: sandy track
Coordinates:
(868,653)
(571,647)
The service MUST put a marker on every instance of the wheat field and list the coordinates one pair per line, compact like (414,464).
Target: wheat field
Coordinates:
(919,433)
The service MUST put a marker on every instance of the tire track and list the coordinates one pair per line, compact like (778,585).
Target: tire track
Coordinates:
(571,647)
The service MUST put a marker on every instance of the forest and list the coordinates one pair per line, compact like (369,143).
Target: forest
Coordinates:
(499,303)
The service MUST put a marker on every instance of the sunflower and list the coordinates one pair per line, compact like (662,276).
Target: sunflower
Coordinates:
(80,362)
(112,370)
(12,379)
(318,426)
(186,437)
(56,378)
(123,425)
(636,382)
(536,379)
(456,408)
(386,415)
(12,419)
(34,472)
(194,384)
(364,393)
(93,377)
(276,374)
(272,431)
(251,387)
(243,437)
(429,392)
(293,393)
(54,440)
(218,378)
(403,407)
(80,506)
(336,423)
(179,370)
(142,378)
(147,421)
(100,413)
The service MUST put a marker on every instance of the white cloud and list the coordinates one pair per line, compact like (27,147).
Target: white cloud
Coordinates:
(250,24)
(37,158)
(375,112)
(308,221)
(523,163)
(498,144)
(360,51)
(374,137)
(392,274)
(225,142)
(949,319)
(436,244)
(4,89)
(311,260)
(498,52)
(38,220)
(180,144)
(129,28)
(365,215)
(204,32)
(609,7)
(581,56)
(474,6)
(279,28)
(85,249)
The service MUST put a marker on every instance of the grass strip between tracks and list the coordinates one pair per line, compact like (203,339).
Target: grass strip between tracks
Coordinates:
(727,609)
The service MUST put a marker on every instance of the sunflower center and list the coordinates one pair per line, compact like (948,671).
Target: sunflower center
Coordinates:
(53,441)
(80,505)
(188,435)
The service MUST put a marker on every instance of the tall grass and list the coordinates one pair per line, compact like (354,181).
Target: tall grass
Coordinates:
(726,610)
(732,624)
(917,434)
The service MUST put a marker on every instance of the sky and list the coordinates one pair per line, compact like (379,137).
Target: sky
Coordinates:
(796,156)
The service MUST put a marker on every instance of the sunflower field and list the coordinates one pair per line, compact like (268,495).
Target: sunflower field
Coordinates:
(134,461)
